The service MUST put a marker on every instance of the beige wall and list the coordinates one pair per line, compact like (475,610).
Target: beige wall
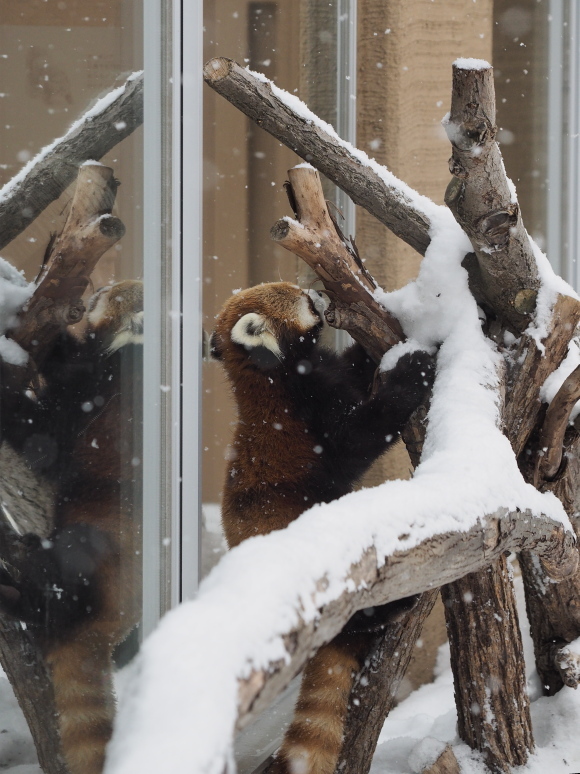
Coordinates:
(56,62)
(405,51)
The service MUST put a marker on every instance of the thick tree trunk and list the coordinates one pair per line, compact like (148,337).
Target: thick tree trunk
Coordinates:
(375,690)
(22,661)
(488,666)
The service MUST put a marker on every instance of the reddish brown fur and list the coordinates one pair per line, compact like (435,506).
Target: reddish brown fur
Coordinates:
(273,465)
(258,413)
(81,664)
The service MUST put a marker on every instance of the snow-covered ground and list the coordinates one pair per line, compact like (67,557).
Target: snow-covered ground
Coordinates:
(413,733)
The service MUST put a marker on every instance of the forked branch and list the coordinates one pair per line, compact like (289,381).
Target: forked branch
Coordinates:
(314,238)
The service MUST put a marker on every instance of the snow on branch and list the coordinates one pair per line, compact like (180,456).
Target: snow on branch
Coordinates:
(283,115)
(216,662)
(45,177)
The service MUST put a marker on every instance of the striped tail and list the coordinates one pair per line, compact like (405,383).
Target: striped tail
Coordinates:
(313,741)
(84,699)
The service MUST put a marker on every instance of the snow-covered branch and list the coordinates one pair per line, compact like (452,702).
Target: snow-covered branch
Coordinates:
(45,177)
(218,661)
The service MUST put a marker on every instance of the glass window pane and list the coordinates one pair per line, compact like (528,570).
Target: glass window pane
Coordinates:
(71,418)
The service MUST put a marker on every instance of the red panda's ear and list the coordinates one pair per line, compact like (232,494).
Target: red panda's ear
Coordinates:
(252,331)
(214,346)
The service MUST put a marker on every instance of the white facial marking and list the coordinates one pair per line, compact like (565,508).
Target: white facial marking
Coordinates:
(252,331)
(304,314)
(321,302)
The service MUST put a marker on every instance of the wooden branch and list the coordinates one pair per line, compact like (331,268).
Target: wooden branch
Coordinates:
(21,201)
(532,368)
(22,661)
(255,97)
(90,230)
(483,202)
(493,707)
(315,239)
(375,690)
(567,662)
(554,609)
(551,444)
(446,763)
(439,560)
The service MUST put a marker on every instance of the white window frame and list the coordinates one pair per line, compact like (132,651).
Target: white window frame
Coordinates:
(173,335)
(563,200)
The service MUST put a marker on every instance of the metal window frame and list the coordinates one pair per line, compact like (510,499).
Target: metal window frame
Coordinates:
(172,167)
(563,199)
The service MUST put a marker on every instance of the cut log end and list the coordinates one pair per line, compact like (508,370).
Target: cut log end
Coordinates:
(280,230)
(112,228)
(217,69)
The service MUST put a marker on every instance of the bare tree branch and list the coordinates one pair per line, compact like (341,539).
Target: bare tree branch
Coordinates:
(315,239)
(24,198)
(334,158)
(90,230)
(551,444)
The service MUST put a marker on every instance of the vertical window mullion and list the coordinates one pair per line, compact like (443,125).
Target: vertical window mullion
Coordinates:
(191,234)
(152,250)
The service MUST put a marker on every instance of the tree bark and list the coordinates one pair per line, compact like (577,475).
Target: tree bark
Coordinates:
(484,203)
(22,200)
(441,559)
(493,708)
(375,689)
(90,230)
(25,668)
(347,167)
(315,239)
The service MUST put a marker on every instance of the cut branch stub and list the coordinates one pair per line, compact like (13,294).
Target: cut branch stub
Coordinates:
(90,230)
(551,445)
(315,239)
(483,202)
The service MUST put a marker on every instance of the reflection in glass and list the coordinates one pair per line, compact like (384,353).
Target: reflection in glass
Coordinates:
(71,394)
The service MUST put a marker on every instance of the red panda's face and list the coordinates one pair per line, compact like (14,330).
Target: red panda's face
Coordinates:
(115,315)
(266,325)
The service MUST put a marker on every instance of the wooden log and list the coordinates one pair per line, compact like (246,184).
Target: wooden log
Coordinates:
(441,559)
(22,200)
(554,609)
(551,444)
(22,661)
(446,763)
(484,203)
(254,97)
(493,707)
(375,689)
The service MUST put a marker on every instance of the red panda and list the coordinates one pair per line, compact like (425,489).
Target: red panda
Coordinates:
(309,426)
(80,589)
